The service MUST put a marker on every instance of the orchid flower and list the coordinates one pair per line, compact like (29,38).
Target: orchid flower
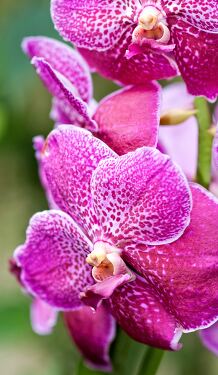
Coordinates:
(67,78)
(132,41)
(126,234)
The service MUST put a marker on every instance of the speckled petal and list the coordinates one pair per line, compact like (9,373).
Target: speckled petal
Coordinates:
(180,142)
(199,13)
(53,260)
(185,273)
(142,313)
(61,88)
(141,195)
(196,54)
(92,332)
(38,144)
(71,155)
(64,60)
(209,338)
(43,317)
(113,64)
(129,118)
(93,24)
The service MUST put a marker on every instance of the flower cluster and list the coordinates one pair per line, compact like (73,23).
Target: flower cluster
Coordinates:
(128,237)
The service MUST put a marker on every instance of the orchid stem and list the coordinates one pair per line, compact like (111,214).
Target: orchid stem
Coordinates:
(205,140)
(151,361)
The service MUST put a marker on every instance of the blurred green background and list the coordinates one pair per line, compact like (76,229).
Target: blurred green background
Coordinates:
(24,109)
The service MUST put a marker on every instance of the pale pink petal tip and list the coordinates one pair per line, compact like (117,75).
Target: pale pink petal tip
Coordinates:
(209,338)
(43,317)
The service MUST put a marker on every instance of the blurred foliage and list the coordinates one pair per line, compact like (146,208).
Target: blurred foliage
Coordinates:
(24,109)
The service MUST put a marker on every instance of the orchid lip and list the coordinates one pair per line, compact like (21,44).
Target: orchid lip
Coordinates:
(151,25)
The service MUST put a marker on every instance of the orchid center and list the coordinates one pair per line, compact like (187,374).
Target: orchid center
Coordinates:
(106,261)
(151,25)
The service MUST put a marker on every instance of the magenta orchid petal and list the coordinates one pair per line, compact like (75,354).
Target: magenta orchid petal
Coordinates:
(185,272)
(61,88)
(173,138)
(38,145)
(129,118)
(201,13)
(64,60)
(14,268)
(53,260)
(93,333)
(141,195)
(94,294)
(209,338)
(196,54)
(70,156)
(93,24)
(141,312)
(43,317)
(138,70)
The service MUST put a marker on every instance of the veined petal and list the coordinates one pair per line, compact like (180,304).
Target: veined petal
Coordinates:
(209,338)
(70,156)
(141,68)
(92,331)
(199,13)
(185,272)
(43,317)
(53,260)
(93,24)
(129,118)
(64,60)
(173,138)
(141,312)
(141,195)
(61,88)
(196,54)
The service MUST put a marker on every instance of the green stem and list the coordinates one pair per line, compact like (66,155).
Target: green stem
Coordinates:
(205,139)
(151,361)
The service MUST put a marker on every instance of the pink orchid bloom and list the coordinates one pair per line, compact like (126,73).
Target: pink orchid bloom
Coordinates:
(67,78)
(180,142)
(132,41)
(125,233)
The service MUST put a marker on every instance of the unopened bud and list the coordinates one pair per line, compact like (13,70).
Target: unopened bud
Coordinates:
(176,116)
